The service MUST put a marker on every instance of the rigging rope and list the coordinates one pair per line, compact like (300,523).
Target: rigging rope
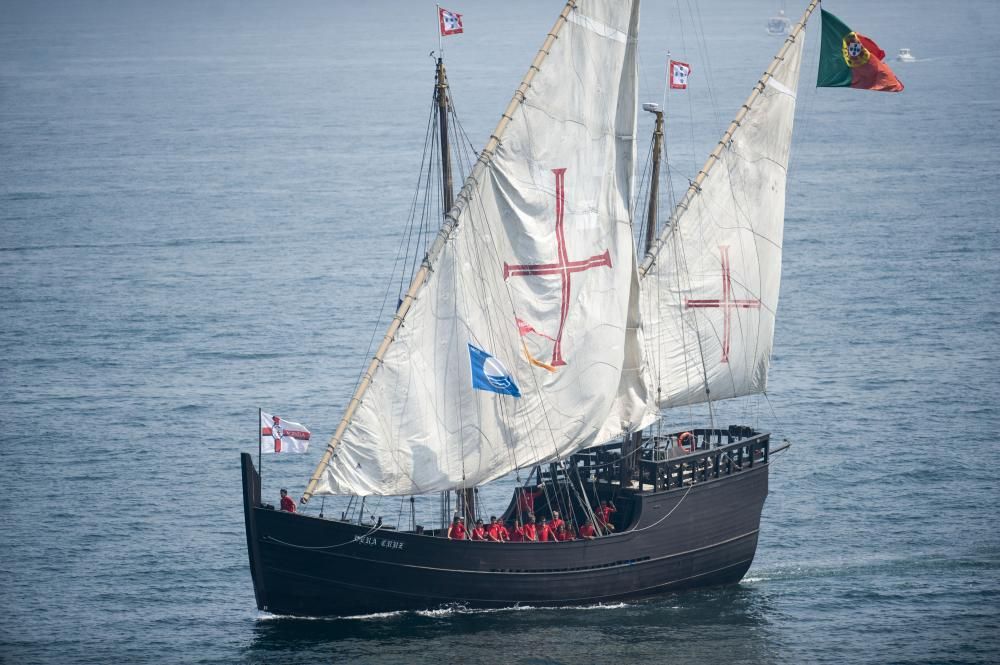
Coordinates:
(375,528)
(659,521)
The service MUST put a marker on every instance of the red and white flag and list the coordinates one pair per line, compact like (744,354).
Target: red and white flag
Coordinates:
(282,436)
(451,23)
(679,72)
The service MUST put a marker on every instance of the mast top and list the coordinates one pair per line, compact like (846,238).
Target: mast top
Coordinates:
(713,158)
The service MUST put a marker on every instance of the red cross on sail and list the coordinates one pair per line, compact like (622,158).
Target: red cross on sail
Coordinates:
(563,267)
(727,303)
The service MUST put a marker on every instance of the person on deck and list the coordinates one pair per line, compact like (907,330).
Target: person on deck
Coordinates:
(545,533)
(530,530)
(504,533)
(556,521)
(563,534)
(588,531)
(494,531)
(526,500)
(604,516)
(457,529)
(478,531)
(517,533)
(287,504)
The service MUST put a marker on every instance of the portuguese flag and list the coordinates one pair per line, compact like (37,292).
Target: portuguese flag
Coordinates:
(848,59)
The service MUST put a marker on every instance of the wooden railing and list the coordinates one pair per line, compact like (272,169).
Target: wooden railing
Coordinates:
(662,465)
(736,449)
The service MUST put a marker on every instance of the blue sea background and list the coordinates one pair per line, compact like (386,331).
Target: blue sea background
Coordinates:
(200,206)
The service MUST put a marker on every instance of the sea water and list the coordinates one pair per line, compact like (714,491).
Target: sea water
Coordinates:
(200,205)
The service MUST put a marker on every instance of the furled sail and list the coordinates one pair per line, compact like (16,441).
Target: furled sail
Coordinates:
(710,284)
(522,344)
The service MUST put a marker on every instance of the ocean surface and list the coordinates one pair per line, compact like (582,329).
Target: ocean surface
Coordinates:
(200,206)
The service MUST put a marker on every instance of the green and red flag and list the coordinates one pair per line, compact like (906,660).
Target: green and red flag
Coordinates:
(848,59)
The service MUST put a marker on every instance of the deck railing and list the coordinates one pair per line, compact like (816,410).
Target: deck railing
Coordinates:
(733,452)
(661,465)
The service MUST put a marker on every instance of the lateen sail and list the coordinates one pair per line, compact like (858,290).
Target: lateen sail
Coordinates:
(709,298)
(539,273)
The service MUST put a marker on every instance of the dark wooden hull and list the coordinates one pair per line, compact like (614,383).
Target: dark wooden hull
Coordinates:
(304,565)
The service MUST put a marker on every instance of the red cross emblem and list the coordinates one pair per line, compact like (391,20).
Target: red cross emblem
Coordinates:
(277,430)
(563,267)
(727,303)
(274,431)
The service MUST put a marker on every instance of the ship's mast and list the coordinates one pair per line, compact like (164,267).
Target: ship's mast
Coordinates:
(466,495)
(441,93)
(633,442)
(654,185)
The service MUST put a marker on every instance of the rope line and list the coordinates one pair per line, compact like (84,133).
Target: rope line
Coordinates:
(650,526)
(375,528)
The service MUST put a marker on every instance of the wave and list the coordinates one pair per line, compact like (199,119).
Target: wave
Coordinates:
(461,609)
(442,612)
(984,558)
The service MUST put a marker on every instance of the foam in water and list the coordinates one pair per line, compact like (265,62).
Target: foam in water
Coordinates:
(440,612)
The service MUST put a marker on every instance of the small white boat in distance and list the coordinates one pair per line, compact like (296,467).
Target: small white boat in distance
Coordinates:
(904,55)
(779,25)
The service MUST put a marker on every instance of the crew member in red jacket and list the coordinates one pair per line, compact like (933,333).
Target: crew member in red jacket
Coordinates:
(545,533)
(604,516)
(478,531)
(504,533)
(530,530)
(563,533)
(494,532)
(517,533)
(457,529)
(526,501)
(286,502)
(556,522)
(587,530)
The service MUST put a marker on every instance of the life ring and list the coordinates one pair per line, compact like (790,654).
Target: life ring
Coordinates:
(683,439)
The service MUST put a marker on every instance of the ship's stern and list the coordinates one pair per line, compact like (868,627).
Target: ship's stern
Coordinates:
(251,500)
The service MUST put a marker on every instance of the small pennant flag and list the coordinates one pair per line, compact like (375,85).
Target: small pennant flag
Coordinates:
(282,436)
(451,23)
(679,72)
(848,59)
(489,374)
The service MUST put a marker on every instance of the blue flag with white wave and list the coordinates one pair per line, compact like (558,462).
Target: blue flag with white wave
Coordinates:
(488,373)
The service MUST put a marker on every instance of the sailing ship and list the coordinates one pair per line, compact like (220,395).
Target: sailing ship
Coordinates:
(536,338)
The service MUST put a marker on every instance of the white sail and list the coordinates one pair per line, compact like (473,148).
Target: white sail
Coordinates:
(709,298)
(523,344)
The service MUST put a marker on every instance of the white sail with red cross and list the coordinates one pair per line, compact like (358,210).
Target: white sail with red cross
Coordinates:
(523,343)
(710,285)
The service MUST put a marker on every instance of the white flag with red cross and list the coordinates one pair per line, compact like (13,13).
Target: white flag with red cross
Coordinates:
(451,23)
(282,436)
(679,72)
